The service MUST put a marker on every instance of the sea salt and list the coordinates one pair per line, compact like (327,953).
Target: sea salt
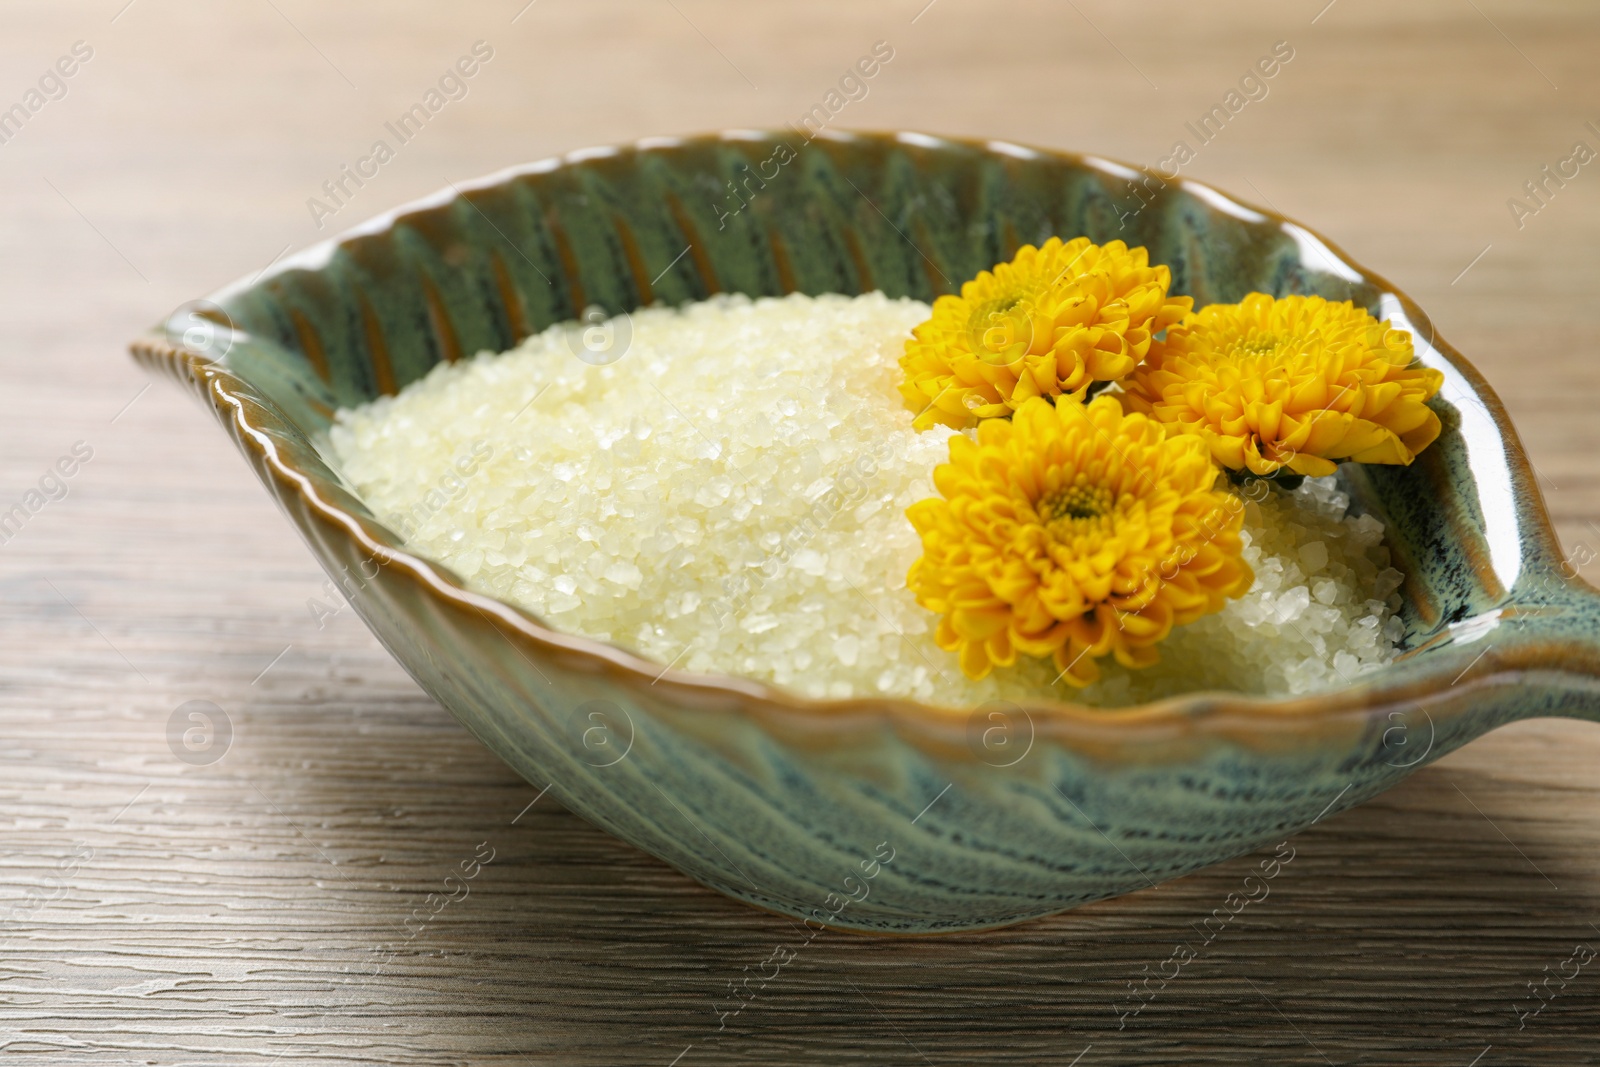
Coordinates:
(729,496)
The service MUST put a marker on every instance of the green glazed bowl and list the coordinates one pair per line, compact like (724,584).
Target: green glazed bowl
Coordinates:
(868,814)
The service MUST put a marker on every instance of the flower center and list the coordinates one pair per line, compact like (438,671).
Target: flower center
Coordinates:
(1076,502)
(1001,330)
(1257,344)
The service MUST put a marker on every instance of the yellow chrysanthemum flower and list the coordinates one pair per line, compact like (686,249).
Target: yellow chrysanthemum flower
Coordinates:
(1296,383)
(1051,322)
(1075,531)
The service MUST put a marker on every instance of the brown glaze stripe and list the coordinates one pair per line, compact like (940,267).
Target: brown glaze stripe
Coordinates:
(310,344)
(780,259)
(443,329)
(938,284)
(569,261)
(509,298)
(378,349)
(859,257)
(697,252)
(636,267)
(1012,242)
(1422,600)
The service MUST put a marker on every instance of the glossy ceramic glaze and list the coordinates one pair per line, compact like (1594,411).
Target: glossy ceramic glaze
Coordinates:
(876,815)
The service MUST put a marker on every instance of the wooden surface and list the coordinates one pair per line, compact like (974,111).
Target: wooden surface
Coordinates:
(254,910)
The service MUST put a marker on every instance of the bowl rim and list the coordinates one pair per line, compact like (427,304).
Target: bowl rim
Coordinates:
(233,398)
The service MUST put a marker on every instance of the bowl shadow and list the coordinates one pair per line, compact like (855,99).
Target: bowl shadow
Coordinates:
(1403,929)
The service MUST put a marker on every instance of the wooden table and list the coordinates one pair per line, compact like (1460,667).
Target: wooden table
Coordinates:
(155,911)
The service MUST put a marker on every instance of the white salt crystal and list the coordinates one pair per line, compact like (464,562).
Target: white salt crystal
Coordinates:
(847,648)
(561,602)
(1345,665)
(625,575)
(1387,582)
(1367,530)
(1292,605)
(810,561)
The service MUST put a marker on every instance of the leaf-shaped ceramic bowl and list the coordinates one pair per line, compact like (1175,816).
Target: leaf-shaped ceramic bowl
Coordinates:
(877,815)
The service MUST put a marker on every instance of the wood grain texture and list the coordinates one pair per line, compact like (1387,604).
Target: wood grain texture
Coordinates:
(260,909)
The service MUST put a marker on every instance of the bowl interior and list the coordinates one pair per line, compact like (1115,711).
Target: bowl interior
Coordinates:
(483,266)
